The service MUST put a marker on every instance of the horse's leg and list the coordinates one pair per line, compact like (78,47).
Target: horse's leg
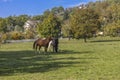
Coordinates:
(46,49)
(36,48)
(53,48)
(49,48)
(50,45)
(39,48)
(56,48)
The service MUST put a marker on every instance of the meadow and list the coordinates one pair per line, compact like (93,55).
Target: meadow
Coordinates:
(98,59)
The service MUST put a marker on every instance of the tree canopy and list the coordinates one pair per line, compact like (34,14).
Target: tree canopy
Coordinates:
(84,22)
(50,26)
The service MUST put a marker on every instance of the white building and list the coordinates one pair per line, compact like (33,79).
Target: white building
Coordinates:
(30,24)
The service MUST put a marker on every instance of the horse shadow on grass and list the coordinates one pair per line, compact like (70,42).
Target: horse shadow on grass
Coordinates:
(12,62)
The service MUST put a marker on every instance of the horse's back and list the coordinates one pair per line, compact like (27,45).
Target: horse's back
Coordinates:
(41,41)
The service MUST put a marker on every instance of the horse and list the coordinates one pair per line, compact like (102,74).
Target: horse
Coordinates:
(41,42)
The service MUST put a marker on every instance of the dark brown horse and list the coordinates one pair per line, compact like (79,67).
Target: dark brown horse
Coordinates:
(41,42)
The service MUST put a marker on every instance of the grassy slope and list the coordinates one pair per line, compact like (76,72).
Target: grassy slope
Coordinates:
(76,60)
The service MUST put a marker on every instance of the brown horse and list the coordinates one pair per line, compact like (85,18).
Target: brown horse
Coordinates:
(41,42)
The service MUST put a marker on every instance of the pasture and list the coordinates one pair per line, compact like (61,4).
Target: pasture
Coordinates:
(98,59)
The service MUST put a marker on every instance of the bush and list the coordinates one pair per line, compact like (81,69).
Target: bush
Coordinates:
(6,36)
(16,35)
(29,35)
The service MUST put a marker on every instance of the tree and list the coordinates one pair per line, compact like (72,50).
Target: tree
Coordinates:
(18,28)
(112,29)
(12,21)
(112,18)
(20,20)
(66,29)
(59,12)
(83,22)
(38,18)
(46,13)
(49,27)
(3,26)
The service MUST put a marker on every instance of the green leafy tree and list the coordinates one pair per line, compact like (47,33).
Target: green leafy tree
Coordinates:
(59,12)
(66,29)
(46,13)
(112,29)
(20,20)
(38,18)
(112,18)
(83,22)
(3,26)
(18,28)
(12,21)
(49,27)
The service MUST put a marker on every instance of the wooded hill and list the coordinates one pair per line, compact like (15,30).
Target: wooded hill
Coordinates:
(78,22)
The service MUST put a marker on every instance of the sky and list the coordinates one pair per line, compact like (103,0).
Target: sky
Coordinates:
(34,7)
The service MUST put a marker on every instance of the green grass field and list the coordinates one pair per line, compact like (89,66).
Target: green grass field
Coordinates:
(98,59)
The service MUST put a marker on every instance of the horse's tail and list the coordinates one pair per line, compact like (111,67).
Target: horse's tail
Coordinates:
(34,44)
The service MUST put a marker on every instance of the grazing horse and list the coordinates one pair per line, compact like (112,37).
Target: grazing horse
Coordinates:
(41,42)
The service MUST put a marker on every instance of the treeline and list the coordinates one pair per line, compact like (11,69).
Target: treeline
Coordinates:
(78,22)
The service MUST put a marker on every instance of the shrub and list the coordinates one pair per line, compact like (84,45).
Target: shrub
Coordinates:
(16,35)
(29,35)
(6,36)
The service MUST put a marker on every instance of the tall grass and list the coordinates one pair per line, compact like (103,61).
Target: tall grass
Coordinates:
(98,59)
